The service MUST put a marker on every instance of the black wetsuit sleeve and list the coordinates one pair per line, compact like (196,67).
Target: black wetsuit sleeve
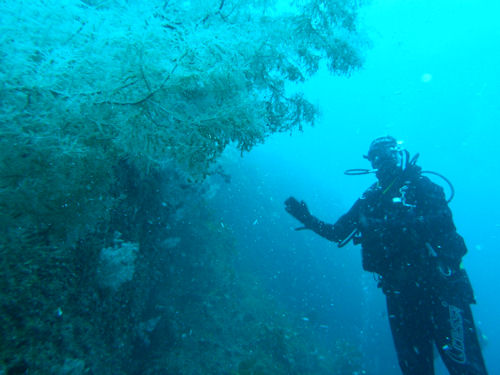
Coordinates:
(436,214)
(344,226)
(438,226)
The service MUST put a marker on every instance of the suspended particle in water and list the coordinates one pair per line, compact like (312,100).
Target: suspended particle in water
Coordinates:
(426,78)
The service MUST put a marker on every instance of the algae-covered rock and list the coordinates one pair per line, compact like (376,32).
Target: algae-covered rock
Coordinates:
(117,264)
(71,366)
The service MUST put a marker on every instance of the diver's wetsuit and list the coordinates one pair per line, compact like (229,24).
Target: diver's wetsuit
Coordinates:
(408,238)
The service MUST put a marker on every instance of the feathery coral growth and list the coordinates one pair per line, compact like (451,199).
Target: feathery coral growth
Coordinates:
(161,79)
(88,83)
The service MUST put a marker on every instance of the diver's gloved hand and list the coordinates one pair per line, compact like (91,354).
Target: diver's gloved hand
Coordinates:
(299,211)
(449,251)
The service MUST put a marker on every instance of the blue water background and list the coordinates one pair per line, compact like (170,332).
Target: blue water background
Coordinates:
(431,79)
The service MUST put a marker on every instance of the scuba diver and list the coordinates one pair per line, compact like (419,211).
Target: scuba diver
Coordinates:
(409,240)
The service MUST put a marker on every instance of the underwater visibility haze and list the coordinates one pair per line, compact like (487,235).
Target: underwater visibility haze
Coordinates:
(430,79)
(146,150)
